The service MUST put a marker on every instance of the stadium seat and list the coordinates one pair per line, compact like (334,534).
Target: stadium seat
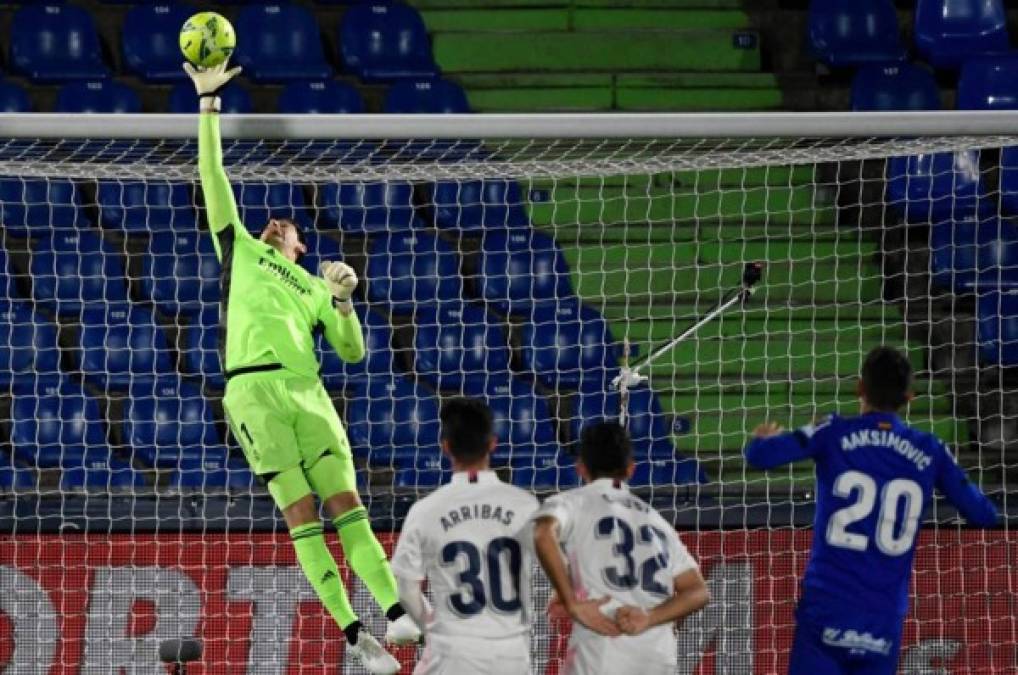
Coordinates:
(368,207)
(100,474)
(201,348)
(897,86)
(57,428)
(989,83)
(378,358)
(28,344)
(280,42)
(471,206)
(14,98)
(523,424)
(320,247)
(210,472)
(258,202)
(55,43)
(235,100)
(146,206)
(71,270)
(420,478)
(458,347)
(949,32)
(390,418)
(320,97)
(181,272)
(122,345)
(409,268)
(382,42)
(520,267)
(14,479)
(930,187)
(647,424)
(974,255)
(848,33)
(149,41)
(97,96)
(998,327)
(432,96)
(568,346)
(36,206)
(545,471)
(166,420)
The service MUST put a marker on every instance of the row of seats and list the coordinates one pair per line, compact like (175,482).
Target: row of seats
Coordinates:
(277,42)
(947,33)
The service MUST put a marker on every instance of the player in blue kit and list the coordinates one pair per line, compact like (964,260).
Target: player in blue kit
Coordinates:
(875,476)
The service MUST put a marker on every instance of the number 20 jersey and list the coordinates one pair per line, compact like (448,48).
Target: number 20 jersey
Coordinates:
(617,546)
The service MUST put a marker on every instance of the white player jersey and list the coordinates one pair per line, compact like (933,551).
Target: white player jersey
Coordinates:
(617,546)
(464,538)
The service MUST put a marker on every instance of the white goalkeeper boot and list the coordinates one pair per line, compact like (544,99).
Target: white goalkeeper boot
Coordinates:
(372,656)
(402,631)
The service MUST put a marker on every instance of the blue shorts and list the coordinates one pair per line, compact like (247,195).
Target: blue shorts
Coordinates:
(833,645)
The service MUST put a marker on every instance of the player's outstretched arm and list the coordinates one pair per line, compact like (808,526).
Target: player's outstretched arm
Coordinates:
(585,612)
(691,595)
(972,504)
(411,597)
(222,209)
(770,446)
(342,327)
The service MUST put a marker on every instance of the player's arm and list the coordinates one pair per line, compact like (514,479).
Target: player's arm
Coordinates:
(770,446)
(690,595)
(970,501)
(340,322)
(549,554)
(411,597)
(408,567)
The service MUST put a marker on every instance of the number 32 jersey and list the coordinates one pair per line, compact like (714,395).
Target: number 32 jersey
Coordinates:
(617,546)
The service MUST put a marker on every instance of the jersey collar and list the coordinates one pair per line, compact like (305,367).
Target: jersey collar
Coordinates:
(611,483)
(889,417)
(462,477)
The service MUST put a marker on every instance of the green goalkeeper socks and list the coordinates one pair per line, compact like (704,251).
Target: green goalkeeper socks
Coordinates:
(366,556)
(320,568)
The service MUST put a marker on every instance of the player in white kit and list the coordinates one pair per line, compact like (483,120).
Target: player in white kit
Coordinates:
(464,539)
(617,566)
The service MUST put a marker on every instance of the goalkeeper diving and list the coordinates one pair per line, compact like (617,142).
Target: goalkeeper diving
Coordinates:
(275,402)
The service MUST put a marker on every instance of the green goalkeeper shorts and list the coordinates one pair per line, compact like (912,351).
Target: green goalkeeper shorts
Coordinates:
(286,425)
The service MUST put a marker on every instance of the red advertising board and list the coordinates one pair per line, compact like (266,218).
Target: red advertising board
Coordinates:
(102,604)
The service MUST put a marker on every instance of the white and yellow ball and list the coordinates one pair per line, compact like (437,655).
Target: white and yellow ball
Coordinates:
(207,39)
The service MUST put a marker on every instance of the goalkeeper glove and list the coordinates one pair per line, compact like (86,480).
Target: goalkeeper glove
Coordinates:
(341,279)
(209,81)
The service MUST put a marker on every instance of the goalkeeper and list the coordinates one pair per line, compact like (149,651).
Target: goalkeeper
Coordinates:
(275,402)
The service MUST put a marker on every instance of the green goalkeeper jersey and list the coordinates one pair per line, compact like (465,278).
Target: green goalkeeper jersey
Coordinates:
(272,308)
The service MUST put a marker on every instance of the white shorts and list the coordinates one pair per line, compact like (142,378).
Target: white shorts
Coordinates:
(581,661)
(464,659)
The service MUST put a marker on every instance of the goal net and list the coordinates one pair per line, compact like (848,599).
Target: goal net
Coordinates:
(524,261)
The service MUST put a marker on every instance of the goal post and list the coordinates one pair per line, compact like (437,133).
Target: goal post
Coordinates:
(524,259)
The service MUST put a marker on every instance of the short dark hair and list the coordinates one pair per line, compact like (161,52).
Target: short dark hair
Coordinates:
(605,449)
(301,236)
(886,378)
(467,427)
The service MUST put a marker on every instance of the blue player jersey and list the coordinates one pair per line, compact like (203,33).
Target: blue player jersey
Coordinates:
(875,476)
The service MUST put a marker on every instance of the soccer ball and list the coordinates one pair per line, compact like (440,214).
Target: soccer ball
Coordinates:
(207,39)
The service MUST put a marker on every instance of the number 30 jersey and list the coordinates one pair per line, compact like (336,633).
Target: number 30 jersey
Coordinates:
(464,538)
(617,546)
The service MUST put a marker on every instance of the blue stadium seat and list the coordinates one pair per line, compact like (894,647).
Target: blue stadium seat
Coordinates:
(458,347)
(280,42)
(520,267)
(210,473)
(545,471)
(420,478)
(897,86)
(122,345)
(931,187)
(71,270)
(9,278)
(57,428)
(847,33)
(998,327)
(949,32)
(974,255)
(14,98)
(523,424)
(97,96)
(378,359)
(320,247)
(235,99)
(28,344)
(385,42)
(55,43)
(389,418)
(433,96)
(568,346)
(100,474)
(146,206)
(35,206)
(989,83)
(1009,180)
(258,202)
(321,97)
(166,420)
(149,41)
(181,271)
(368,207)
(15,479)
(411,268)
(201,348)
(470,206)
(648,427)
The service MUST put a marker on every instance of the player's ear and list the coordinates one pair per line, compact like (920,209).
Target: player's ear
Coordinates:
(860,389)
(492,443)
(909,396)
(444,444)
(630,468)
(583,471)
